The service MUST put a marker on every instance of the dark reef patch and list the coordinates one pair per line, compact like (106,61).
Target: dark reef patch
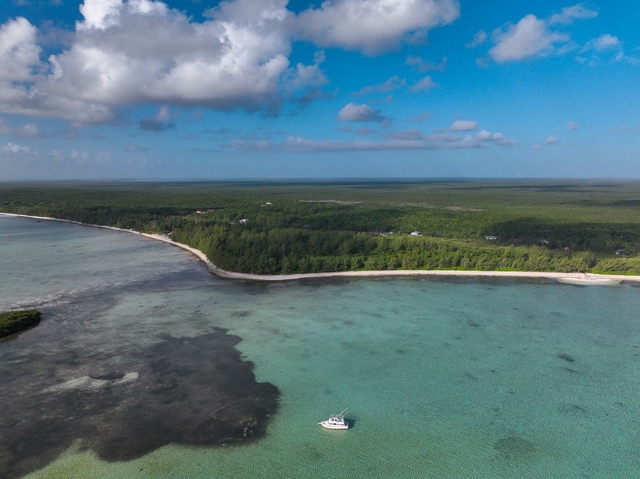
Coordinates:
(566,357)
(572,409)
(514,448)
(192,391)
(108,376)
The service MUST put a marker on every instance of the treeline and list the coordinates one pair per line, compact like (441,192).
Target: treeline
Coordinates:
(294,236)
(563,217)
(287,251)
(601,237)
(597,237)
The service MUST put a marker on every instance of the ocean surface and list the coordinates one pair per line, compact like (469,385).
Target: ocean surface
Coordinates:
(443,378)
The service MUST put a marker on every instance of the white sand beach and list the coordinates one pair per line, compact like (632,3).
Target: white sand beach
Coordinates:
(581,279)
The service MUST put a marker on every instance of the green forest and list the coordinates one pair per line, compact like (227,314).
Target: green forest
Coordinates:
(305,227)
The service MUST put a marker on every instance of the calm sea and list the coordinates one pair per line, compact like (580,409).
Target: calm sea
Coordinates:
(443,378)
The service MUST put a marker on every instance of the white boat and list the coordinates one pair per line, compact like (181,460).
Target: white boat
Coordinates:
(335,421)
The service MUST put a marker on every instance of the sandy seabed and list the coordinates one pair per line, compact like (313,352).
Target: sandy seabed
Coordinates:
(567,278)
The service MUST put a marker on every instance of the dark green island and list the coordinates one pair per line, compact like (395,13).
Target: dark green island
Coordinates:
(12,322)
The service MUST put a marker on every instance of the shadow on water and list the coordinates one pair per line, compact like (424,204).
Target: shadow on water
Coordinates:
(191,391)
(514,448)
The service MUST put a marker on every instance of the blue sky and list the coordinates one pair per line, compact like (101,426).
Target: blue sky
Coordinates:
(188,89)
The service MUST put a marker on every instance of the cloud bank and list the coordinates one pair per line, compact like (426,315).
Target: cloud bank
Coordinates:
(143,52)
(413,139)
(131,52)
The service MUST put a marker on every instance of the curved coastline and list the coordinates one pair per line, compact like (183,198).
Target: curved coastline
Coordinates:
(566,278)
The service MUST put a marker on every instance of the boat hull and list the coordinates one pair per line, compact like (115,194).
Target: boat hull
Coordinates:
(326,425)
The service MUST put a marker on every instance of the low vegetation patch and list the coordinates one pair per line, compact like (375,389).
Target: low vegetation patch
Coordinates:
(15,321)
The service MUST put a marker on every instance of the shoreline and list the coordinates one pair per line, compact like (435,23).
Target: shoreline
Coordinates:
(566,278)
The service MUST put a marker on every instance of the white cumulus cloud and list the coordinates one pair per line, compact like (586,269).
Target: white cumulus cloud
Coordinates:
(391,84)
(19,54)
(141,51)
(533,36)
(425,84)
(307,76)
(464,125)
(16,149)
(28,130)
(372,26)
(22,79)
(496,138)
(128,52)
(485,135)
(569,14)
(528,37)
(552,140)
(424,66)
(88,158)
(603,42)
(478,39)
(359,113)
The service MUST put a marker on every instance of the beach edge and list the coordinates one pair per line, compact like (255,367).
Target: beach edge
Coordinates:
(582,279)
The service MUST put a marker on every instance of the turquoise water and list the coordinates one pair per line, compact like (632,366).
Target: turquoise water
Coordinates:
(443,378)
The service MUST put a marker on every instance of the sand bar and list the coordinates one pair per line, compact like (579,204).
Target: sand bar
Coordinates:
(582,279)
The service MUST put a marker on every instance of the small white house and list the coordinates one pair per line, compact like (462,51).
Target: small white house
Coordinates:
(244,221)
(268,203)
(491,238)
(416,233)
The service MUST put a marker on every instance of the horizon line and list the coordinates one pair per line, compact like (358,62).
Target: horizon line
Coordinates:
(319,180)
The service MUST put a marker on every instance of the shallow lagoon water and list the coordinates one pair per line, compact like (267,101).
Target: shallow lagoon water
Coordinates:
(443,378)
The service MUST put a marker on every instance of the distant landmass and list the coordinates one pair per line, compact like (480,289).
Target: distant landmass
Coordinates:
(311,227)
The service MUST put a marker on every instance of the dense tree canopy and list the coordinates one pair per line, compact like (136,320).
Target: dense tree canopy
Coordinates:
(316,227)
